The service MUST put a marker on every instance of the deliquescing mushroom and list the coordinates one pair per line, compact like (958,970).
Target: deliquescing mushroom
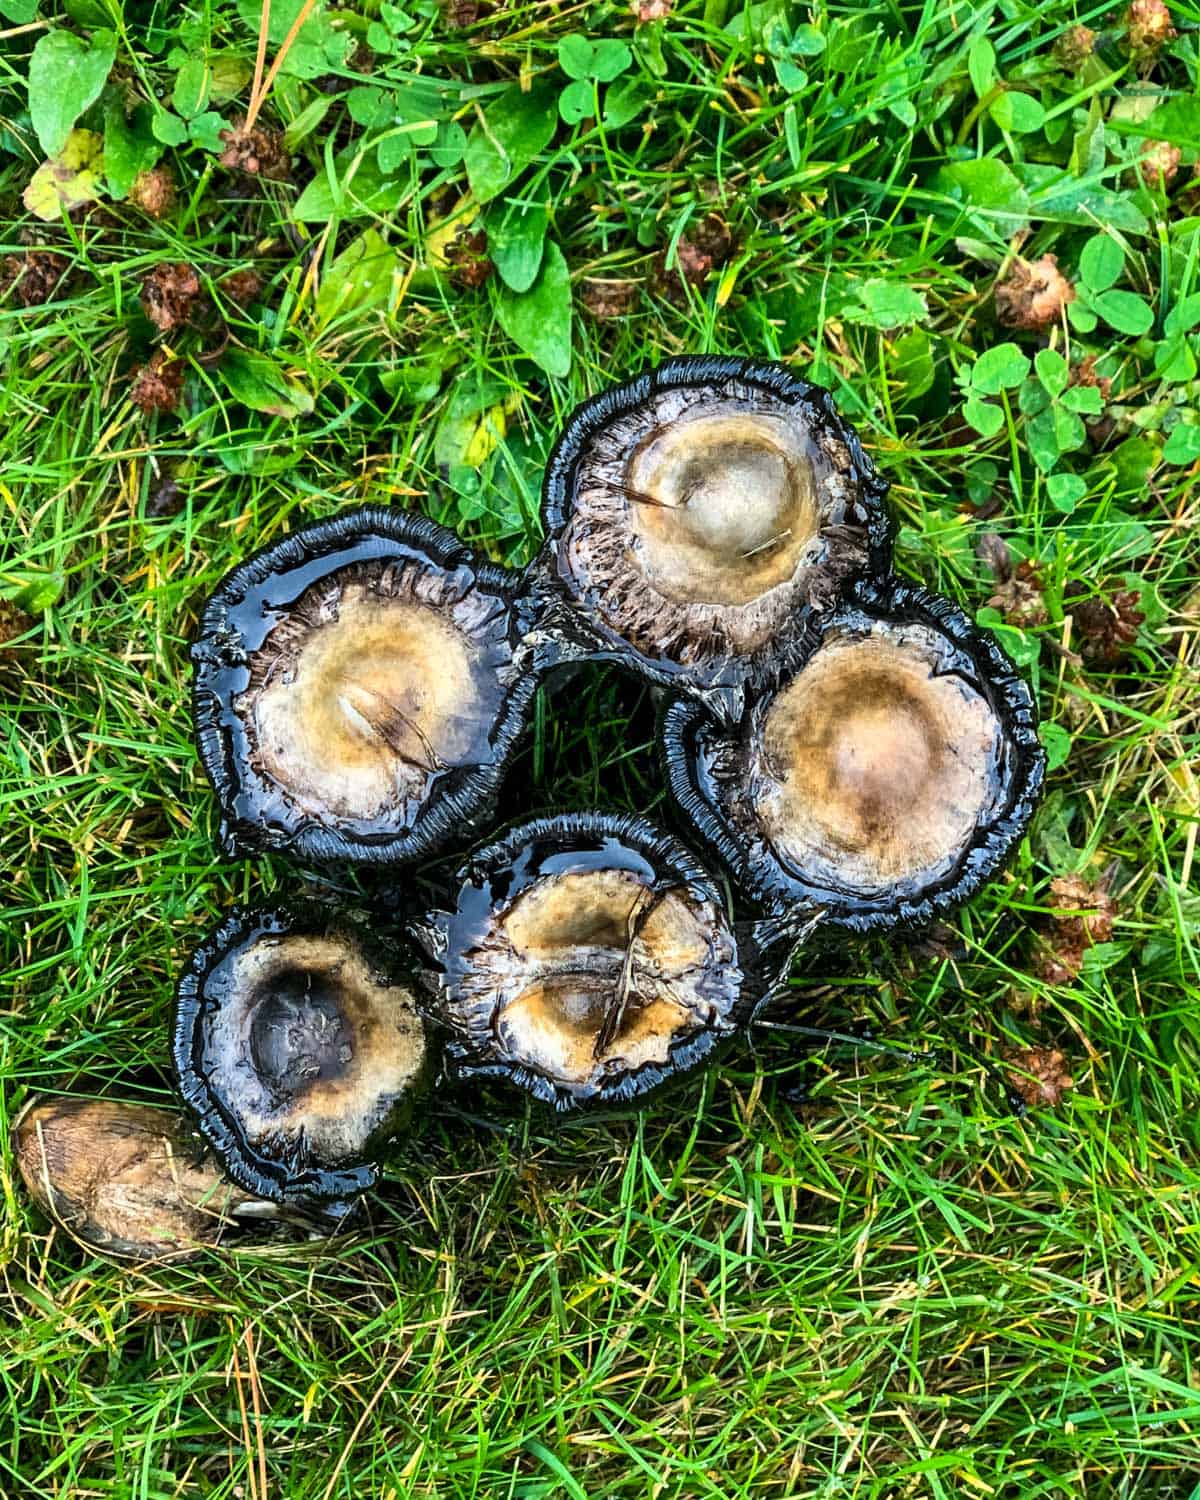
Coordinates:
(700,519)
(301,1048)
(587,959)
(879,779)
(851,750)
(360,686)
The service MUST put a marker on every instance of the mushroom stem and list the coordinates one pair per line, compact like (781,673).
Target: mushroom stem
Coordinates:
(126,1179)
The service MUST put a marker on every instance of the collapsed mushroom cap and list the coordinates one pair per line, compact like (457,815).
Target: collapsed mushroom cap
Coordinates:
(301,1049)
(360,686)
(588,959)
(702,516)
(127,1179)
(882,780)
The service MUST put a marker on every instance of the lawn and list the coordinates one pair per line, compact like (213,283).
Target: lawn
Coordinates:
(272,271)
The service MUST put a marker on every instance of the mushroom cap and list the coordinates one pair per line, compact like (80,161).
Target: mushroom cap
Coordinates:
(360,687)
(881,779)
(588,959)
(301,1048)
(704,516)
(126,1179)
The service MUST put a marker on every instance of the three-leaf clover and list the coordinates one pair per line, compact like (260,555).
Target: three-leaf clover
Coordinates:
(784,46)
(1175,357)
(1096,298)
(886,304)
(1055,409)
(414,117)
(1183,445)
(998,369)
(588,64)
(1013,111)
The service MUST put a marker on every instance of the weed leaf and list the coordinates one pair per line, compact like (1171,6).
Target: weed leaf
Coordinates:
(261,384)
(65,78)
(988,191)
(130,146)
(516,127)
(68,180)
(539,321)
(515,242)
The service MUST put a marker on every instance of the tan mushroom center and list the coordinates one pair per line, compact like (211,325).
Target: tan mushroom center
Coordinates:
(723,506)
(605,973)
(377,702)
(873,768)
(317,1048)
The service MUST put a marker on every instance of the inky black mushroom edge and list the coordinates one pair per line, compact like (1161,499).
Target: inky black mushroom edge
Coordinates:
(460,799)
(565,635)
(322,1194)
(683,721)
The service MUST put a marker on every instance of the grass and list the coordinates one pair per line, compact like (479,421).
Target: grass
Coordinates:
(831,1267)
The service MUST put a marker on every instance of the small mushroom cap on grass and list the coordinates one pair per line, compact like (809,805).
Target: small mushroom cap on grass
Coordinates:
(126,1179)
(881,780)
(588,960)
(301,1049)
(360,686)
(701,515)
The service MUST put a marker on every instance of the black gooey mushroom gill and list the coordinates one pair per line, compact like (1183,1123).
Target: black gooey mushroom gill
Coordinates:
(587,960)
(360,687)
(699,519)
(301,1047)
(877,780)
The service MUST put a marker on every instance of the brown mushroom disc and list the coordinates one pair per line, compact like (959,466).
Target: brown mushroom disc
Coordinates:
(874,766)
(125,1178)
(733,510)
(594,970)
(310,1048)
(588,959)
(379,679)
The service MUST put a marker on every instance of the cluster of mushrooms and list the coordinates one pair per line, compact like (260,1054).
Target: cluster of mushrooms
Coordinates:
(847,749)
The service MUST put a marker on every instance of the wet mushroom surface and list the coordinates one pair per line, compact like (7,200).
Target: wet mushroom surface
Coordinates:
(360,687)
(702,517)
(587,959)
(881,780)
(301,1047)
(129,1180)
